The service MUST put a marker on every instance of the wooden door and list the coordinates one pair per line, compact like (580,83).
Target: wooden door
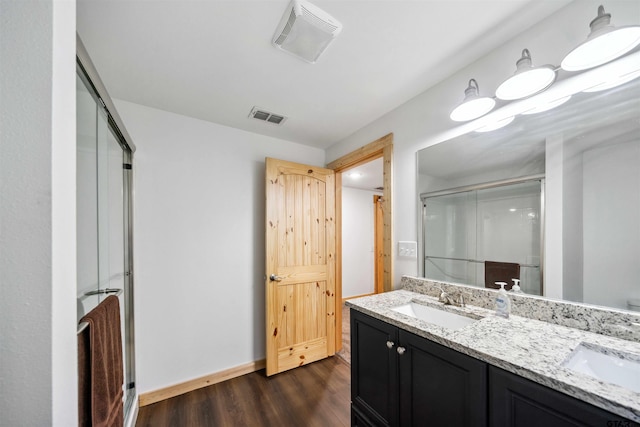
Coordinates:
(300,264)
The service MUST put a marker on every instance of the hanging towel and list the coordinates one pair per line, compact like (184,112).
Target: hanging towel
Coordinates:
(100,375)
(500,272)
(84,379)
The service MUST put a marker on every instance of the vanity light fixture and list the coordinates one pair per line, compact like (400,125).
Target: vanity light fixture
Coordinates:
(355,175)
(609,57)
(605,43)
(473,105)
(527,79)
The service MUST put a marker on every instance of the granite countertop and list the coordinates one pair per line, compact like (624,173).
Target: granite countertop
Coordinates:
(530,348)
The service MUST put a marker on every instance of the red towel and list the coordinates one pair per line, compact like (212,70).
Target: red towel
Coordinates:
(102,383)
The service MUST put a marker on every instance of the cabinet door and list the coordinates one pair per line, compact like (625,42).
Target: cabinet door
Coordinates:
(358,419)
(517,401)
(440,386)
(374,385)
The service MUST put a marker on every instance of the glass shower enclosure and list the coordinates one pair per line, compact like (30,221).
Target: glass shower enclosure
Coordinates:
(465,227)
(103,210)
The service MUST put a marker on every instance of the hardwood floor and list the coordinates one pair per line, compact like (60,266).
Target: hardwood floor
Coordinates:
(318,394)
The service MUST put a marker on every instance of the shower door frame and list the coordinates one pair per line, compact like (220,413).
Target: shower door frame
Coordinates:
(475,187)
(88,73)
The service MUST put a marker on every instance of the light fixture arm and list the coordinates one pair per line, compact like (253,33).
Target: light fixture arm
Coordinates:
(472,90)
(603,20)
(524,61)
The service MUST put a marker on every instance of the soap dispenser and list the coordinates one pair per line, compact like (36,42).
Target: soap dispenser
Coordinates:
(516,286)
(503,305)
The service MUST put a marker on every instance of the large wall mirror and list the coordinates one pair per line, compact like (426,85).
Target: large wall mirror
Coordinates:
(556,193)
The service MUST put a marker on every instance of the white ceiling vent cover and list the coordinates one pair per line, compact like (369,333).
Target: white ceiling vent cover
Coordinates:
(266,116)
(305,31)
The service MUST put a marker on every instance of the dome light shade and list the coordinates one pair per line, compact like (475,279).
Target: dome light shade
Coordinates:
(527,80)
(473,105)
(605,43)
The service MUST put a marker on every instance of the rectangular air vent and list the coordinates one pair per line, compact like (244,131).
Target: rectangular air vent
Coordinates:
(266,116)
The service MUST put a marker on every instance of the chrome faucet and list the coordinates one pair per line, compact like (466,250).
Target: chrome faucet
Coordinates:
(444,297)
(448,299)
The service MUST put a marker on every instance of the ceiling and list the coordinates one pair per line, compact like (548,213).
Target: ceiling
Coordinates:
(367,176)
(213,60)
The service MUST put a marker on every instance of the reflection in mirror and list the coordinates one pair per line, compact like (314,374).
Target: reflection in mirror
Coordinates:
(588,153)
(499,224)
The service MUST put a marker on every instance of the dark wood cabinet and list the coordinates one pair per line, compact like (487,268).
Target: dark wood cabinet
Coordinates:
(440,386)
(374,378)
(517,401)
(398,378)
(401,379)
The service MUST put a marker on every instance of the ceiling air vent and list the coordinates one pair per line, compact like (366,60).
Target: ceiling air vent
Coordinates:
(265,116)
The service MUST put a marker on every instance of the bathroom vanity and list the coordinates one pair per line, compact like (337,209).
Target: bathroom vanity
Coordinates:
(399,378)
(412,369)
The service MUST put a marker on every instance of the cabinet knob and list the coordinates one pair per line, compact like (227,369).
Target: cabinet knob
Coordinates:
(401,350)
(390,344)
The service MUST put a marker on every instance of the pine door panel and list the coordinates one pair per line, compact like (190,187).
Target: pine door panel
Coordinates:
(300,252)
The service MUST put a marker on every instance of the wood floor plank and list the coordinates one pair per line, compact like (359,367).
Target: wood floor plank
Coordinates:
(327,409)
(317,394)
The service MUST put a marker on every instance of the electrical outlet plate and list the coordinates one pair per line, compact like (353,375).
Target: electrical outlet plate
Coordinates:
(408,249)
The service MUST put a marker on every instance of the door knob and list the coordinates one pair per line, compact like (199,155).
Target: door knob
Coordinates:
(275,278)
(401,350)
(390,344)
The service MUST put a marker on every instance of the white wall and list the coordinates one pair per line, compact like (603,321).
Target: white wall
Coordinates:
(611,223)
(63,195)
(198,243)
(38,379)
(358,254)
(424,120)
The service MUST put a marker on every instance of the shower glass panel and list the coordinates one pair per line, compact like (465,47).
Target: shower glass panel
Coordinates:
(87,198)
(464,229)
(450,234)
(103,220)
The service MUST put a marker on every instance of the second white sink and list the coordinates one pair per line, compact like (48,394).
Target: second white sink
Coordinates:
(598,363)
(436,316)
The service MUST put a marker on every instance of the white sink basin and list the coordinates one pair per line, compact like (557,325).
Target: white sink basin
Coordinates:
(436,316)
(621,369)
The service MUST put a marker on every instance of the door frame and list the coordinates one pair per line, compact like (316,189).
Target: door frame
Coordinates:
(378,234)
(381,147)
